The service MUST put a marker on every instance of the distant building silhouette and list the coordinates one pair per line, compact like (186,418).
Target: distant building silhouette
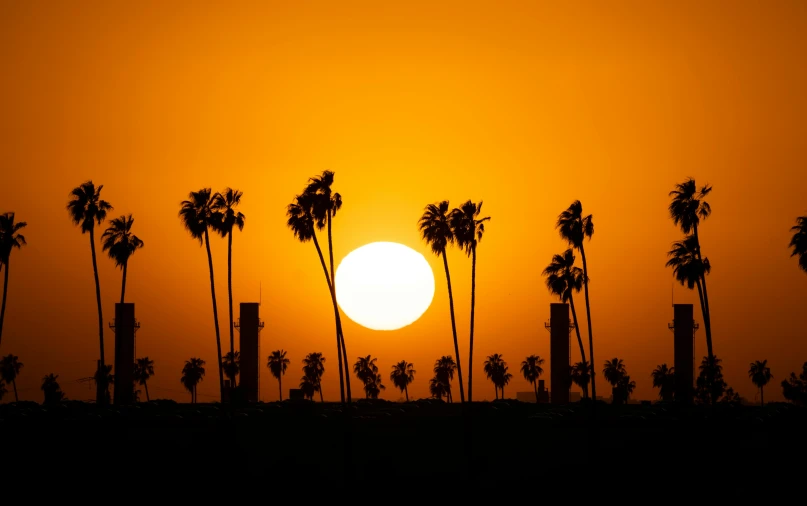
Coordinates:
(683,327)
(125,327)
(296,394)
(249,326)
(559,353)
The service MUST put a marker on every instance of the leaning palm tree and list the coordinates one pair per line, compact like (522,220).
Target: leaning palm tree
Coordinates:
(192,373)
(493,370)
(574,228)
(689,269)
(144,369)
(120,244)
(10,238)
(799,241)
(664,380)
(564,279)
(277,364)
(232,365)
(687,209)
(468,228)
(759,373)
(403,373)
(444,369)
(531,370)
(314,368)
(436,231)
(86,208)
(197,215)
(10,366)
(224,204)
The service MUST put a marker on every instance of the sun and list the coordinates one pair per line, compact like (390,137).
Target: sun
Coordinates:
(384,285)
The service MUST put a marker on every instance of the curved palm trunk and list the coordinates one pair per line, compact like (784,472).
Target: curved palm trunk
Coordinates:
(280,387)
(336,318)
(320,393)
(406,391)
(3,308)
(535,387)
(123,283)
(146,386)
(471,347)
(707,318)
(230,288)
(588,317)
(454,328)
(341,335)
(100,398)
(215,317)
(579,339)
(761,394)
(496,391)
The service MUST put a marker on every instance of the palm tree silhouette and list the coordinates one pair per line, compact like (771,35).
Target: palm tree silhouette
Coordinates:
(403,373)
(197,215)
(373,387)
(625,387)
(277,364)
(799,241)
(314,368)
(366,370)
(192,373)
(580,375)
(437,388)
(86,208)
(574,228)
(52,390)
(144,369)
(436,231)
(119,243)
(10,238)
(794,388)
(563,279)
(760,375)
(444,369)
(309,386)
(10,366)
(104,378)
(3,390)
(504,377)
(614,371)
(302,223)
(664,380)
(688,269)
(232,365)
(224,205)
(710,385)
(494,366)
(468,229)
(531,370)
(687,209)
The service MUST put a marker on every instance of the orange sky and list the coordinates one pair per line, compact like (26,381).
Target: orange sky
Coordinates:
(524,107)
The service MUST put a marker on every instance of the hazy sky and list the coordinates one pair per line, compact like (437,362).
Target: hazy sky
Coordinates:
(523,106)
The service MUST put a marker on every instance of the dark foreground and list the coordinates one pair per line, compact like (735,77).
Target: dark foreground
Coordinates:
(389,442)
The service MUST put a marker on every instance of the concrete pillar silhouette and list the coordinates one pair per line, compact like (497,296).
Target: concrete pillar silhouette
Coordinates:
(249,327)
(559,353)
(124,326)
(683,332)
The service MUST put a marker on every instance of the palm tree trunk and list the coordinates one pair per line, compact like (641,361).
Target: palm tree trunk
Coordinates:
(215,316)
(761,394)
(230,287)
(406,391)
(588,317)
(123,283)
(280,388)
(5,294)
(344,352)
(341,332)
(14,384)
(579,339)
(707,318)
(100,398)
(454,327)
(535,387)
(471,347)
(146,386)
(703,312)
(496,391)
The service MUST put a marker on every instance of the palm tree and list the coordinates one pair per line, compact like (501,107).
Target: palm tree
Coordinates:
(403,373)
(574,228)
(120,244)
(710,385)
(3,390)
(302,223)
(373,387)
(224,205)
(437,388)
(10,366)
(104,377)
(10,238)
(277,364)
(493,371)
(314,368)
(308,386)
(144,369)
(52,390)
(563,279)
(580,374)
(613,372)
(687,209)
(759,373)
(532,370)
(436,231)
(664,380)
(444,369)
(366,370)
(688,269)
(192,373)
(468,229)
(232,365)
(197,215)
(86,208)
(799,241)
(625,387)
(794,388)
(504,377)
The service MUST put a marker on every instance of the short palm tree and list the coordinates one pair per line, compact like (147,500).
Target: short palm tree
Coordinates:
(760,375)
(574,228)
(10,367)
(232,366)
(531,370)
(104,377)
(710,385)
(664,380)
(192,373)
(314,368)
(444,369)
(614,371)
(120,244)
(799,241)
(625,387)
(366,370)
(197,215)
(86,208)
(493,370)
(10,238)
(437,388)
(277,364)
(563,279)
(144,369)
(436,231)
(403,373)
(224,204)
(468,228)
(309,386)
(51,389)
(374,386)
(504,378)
(580,375)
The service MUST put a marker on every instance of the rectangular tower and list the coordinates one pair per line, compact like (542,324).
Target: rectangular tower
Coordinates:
(683,321)
(559,353)
(249,327)
(124,353)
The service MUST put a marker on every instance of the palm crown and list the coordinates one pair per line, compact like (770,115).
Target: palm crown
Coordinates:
(562,277)
(9,235)
(799,241)
(197,213)
(435,227)
(301,218)
(466,225)
(325,200)
(278,363)
(688,269)
(760,373)
(403,373)
(531,368)
(86,208)
(573,226)
(687,207)
(224,205)
(118,240)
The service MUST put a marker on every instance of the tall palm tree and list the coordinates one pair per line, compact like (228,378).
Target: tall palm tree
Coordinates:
(403,373)
(10,238)
(10,366)
(104,377)
(687,208)
(50,387)
(192,373)
(277,364)
(224,204)
(144,369)
(302,223)
(232,366)
(314,368)
(563,279)
(468,228)
(493,371)
(580,374)
(120,244)
(574,228)
(436,231)
(688,269)
(531,370)
(799,241)
(444,369)
(664,380)
(197,215)
(760,375)
(86,208)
